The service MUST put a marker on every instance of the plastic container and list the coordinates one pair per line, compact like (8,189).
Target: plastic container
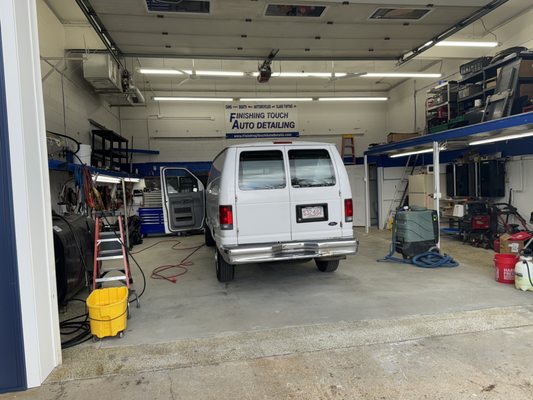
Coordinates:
(83,156)
(108,310)
(505,264)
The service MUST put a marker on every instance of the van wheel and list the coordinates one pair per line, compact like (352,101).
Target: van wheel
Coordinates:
(326,266)
(209,241)
(225,271)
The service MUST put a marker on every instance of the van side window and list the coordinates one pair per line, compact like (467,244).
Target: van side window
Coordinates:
(260,170)
(311,168)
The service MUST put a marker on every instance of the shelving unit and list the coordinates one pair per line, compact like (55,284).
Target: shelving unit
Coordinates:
(486,76)
(441,106)
(109,149)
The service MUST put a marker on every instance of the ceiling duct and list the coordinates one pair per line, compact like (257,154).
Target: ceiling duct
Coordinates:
(110,81)
(400,14)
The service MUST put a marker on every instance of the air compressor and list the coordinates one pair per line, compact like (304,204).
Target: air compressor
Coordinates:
(523,272)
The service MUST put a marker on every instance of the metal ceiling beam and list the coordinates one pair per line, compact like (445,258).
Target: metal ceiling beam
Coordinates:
(257,58)
(476,15)
(100,30)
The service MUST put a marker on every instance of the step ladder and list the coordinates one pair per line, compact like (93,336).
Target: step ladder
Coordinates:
(110,246)
(348,149)
(403,188)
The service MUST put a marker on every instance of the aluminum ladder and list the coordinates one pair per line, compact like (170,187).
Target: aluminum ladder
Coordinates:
(109,246)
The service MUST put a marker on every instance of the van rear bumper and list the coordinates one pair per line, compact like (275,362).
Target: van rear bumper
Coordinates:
(264,252)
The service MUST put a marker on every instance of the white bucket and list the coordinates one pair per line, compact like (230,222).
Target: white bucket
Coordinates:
(83,156)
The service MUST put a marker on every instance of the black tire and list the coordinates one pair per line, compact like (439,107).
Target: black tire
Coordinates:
(326,266)
(225,271)
(209,241)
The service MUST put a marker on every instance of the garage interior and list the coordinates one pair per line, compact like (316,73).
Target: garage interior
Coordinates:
(406,90)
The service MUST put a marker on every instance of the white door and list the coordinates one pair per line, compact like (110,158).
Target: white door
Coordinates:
(262,196)
(183,200)
(316,204)
(356,175)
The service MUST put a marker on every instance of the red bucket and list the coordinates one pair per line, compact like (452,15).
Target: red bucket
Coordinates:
(505,267)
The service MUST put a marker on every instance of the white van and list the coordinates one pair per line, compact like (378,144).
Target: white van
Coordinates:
(278,201)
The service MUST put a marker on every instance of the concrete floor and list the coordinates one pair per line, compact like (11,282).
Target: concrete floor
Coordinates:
(286,330)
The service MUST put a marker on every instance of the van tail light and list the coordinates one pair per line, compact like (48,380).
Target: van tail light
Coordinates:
(226,217)
(348,210)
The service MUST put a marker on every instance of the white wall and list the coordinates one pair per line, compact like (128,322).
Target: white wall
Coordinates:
(520,179)
(69,101)
(198,130)
(69,89)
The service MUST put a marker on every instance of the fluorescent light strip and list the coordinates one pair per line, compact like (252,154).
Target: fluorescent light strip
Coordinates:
(105,179)
(150,71)
(353,98)
(223,99)
(215,73)
(401,75)
(267,99)
(501,138)
(453,43)
(410,153)
(154,71)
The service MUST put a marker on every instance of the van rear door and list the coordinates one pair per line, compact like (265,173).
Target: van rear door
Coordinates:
(316,204)
(183,200)
(262,196)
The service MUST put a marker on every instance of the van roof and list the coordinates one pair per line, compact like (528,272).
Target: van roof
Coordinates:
(280,142)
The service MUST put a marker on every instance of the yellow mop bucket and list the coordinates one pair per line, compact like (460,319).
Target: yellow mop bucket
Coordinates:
(108,310)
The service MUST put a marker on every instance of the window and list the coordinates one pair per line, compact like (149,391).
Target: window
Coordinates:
(260,170)
(400,13)
(311,168)
(291,10)
(179,6)
(180,181)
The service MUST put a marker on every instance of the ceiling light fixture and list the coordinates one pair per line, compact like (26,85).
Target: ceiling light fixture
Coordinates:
(168,71)
(401,75)
(105,179)
(410,153)
(267,99)
(454,43)
(501,138)
(171,98)
(215,73)
(152,71)
(353,98)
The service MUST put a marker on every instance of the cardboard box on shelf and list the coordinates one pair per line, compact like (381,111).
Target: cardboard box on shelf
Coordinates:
(526,69)
(513,244)
(396,136)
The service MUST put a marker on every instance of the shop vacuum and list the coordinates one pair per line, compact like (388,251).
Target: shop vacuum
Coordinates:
(415,234)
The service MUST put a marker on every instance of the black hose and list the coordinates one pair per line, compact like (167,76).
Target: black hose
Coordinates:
(67,137)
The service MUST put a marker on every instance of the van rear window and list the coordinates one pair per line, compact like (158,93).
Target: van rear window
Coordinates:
(311,168)
(260,170)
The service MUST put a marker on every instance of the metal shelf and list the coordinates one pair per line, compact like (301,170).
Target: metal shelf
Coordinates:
(59,165)
(459,135)
(472,96)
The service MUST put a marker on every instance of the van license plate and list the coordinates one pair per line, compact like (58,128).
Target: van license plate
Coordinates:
(312,212)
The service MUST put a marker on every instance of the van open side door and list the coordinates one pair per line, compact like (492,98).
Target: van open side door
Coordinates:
(183,200)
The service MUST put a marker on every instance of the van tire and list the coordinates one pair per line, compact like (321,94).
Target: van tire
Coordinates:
(225,271)
(327,266)
(209,241)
